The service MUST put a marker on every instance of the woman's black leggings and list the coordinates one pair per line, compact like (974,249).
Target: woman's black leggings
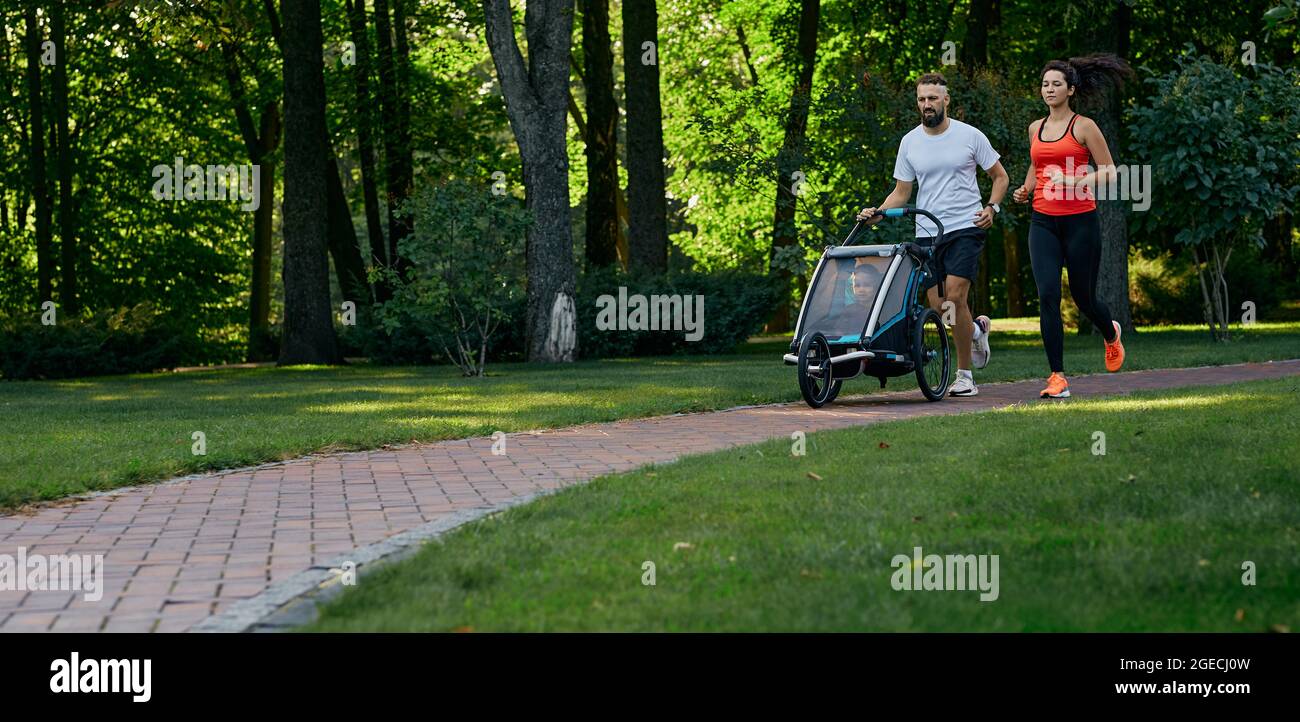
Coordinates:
(1072,242)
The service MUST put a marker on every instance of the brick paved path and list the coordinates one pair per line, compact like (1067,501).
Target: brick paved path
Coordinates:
(177,553)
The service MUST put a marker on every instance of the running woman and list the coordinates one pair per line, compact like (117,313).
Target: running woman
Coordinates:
(1063,229)
(942,153)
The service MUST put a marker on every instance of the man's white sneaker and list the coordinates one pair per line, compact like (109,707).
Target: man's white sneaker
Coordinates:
(963,386)
(980,346)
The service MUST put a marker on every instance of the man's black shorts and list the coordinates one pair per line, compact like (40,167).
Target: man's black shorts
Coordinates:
(958,256)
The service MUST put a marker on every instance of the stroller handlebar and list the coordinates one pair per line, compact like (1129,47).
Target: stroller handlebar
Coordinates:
(900,213)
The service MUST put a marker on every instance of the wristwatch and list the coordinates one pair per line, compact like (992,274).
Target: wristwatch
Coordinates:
(995,208)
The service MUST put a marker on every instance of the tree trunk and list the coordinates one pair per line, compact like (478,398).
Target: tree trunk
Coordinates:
(535,104)
(261,144)
(1011,255)
(67,209)
(40,188)
(365,141)
(784,233)
(397,152)
(620,201)
(308,327)
(647,213)
(601,137)
(975,46)
(349,267)
(1278,243)
(1112,35)
(259,326)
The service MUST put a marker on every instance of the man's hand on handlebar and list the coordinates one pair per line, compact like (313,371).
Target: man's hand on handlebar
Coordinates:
(869,216)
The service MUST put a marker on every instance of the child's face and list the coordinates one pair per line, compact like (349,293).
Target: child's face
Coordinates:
(862,284)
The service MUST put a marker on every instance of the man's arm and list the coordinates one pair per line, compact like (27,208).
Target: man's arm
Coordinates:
(897,198)
(984,218)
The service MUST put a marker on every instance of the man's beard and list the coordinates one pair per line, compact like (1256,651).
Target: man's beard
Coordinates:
(932,121)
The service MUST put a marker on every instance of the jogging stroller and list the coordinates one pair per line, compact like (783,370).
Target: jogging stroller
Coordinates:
(863,315)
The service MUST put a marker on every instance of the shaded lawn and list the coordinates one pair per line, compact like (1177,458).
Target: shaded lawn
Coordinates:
(1151,536)
(66,437)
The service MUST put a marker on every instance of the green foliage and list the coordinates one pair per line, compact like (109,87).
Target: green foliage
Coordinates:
(736,304)
(128,340)
(1223,147)
(848,162)
(1166,289)
(148,83)
(466,255)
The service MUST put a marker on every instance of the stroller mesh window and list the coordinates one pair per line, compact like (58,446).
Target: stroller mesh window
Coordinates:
(840,301)
(896,296)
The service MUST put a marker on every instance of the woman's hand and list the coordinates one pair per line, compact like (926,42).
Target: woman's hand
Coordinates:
(1020,195)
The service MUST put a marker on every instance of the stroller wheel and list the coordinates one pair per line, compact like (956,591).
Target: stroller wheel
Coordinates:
(816,375)
(930,354)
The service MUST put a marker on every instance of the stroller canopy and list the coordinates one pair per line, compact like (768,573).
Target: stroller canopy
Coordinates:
(848,283)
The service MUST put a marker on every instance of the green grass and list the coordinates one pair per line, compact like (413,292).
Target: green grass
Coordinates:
(1149,537)
(66,437)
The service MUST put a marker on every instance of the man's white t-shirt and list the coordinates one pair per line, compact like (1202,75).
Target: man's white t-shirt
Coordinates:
(944,165)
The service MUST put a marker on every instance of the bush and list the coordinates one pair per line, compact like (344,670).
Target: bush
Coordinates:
(1224,144)
(1166,289)
(129,340)
(736,305)
(414,342)
(465,274)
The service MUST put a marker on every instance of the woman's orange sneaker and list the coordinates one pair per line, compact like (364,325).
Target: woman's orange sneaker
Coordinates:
(1057,387)
(1114,351)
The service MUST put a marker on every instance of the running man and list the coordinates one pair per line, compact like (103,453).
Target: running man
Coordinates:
(1064,230)
(941,153)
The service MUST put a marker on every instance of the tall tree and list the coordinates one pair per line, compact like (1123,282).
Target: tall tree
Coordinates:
(647,207)
(391,46)
(36,134)
(601,136)
(535,104)
(975,47)
(349,266)
(975,56)
(261,141)
(620,200)
(67,208)
(308,335)
(784,233)
(405,151)
(365,139)
(1110,32)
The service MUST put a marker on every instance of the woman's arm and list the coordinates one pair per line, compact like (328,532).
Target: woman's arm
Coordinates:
(1026,191)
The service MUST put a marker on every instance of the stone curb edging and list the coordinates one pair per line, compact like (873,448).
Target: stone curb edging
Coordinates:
(294,601)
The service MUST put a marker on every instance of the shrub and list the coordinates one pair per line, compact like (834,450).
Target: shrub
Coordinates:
(128,340)
(1166,289)
(1224,145)
(736,305)
(465,275)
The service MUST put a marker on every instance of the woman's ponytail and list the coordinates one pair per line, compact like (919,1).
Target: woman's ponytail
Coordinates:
(1091,75)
